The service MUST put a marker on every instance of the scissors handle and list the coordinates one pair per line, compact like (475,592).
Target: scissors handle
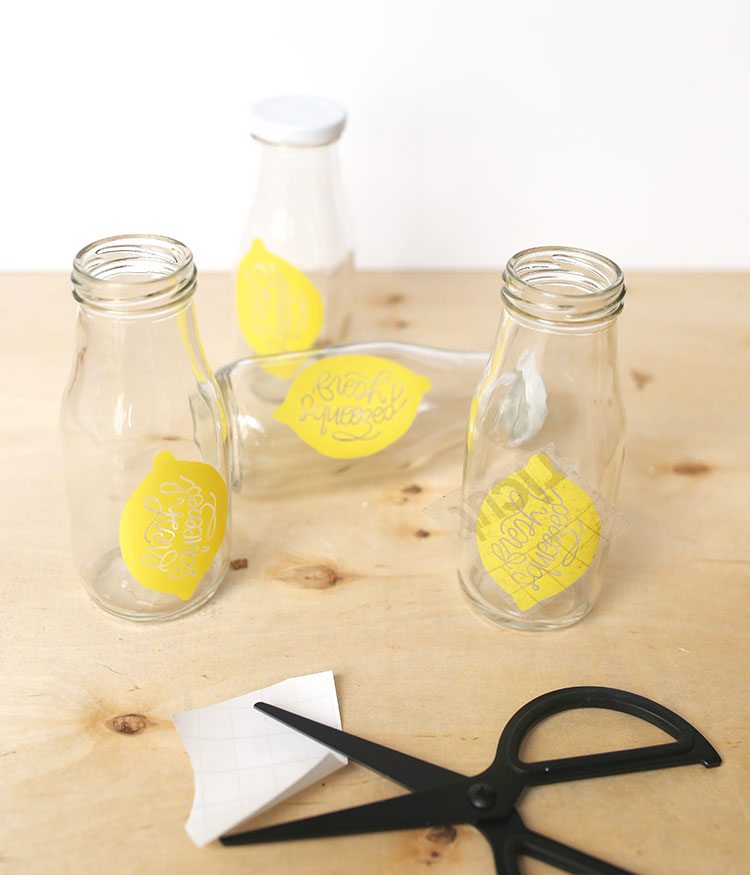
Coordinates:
(689,746)
(512,840)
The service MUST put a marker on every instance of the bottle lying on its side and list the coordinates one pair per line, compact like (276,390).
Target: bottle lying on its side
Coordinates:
(355,411)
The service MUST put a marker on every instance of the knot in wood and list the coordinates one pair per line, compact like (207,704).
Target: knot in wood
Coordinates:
(128,724)
(441,835)
(313,576)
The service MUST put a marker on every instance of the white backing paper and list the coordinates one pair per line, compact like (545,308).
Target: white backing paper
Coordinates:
(245,762)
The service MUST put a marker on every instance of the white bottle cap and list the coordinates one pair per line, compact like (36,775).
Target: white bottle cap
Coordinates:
(297,120)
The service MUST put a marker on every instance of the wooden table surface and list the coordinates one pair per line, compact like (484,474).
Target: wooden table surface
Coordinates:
(343,582)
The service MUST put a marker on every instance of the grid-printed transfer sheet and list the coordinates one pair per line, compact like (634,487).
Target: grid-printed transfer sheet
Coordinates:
(244,762)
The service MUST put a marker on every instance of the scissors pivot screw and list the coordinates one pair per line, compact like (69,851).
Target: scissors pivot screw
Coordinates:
(482,796)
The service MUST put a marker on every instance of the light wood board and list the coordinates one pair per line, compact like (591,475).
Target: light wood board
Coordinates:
(344,582)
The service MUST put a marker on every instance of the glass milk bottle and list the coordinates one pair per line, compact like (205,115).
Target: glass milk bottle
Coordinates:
(545,443)
(144,433)
(293,283)
(350,412)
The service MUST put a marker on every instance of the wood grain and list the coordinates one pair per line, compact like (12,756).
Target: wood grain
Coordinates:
(92,774)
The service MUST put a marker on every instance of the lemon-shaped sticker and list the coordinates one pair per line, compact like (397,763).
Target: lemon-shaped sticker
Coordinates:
(537,532)
(279,309)
(352,405)
(173,524)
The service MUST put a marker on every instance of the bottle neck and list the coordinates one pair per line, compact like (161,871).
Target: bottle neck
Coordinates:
(558,335)
(164,344)
(513,321)
(135,297)
(518,332)
(134,277)
(563,290)
(286,171)
(164,319)
(298,207)
(543,364)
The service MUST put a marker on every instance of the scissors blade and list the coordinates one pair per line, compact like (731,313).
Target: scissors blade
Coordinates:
(399,767)
(436,807)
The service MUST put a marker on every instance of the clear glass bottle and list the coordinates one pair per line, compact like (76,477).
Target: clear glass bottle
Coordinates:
(293,282)
(545,443)
(144,433)
(344,413)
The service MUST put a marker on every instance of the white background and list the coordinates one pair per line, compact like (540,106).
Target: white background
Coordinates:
(476,128)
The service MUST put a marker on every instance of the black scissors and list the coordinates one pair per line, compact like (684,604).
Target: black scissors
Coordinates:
(487,801)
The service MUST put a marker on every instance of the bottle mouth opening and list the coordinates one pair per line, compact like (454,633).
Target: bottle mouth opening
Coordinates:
(562,285)
(133,272)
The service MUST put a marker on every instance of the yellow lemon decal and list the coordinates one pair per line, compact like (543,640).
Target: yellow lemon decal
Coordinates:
(537,532)
(352,405)
(173,524)
(279,309)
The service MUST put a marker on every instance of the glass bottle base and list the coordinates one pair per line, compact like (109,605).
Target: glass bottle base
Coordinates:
(112,588)
(531,624)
